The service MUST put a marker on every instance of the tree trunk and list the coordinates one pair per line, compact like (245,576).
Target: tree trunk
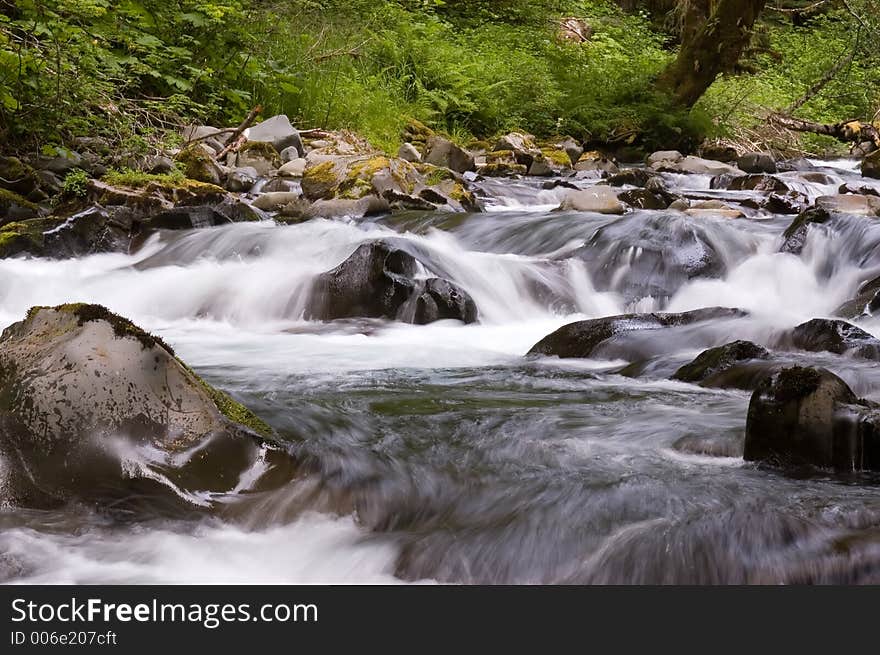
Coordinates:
(713,48)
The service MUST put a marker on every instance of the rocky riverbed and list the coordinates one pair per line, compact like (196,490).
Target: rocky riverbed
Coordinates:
(520,363)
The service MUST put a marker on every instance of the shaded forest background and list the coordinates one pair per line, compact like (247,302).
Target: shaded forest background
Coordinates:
(135,70)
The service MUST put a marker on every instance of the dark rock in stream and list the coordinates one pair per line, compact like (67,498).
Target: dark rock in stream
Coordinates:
(710,364)
(833,336)
(795,234)
(810,417)
(866,302)
(379,281)
(760,183)
(91,404)
(582,339)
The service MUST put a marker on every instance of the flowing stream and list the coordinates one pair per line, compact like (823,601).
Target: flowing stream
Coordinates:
(440,453)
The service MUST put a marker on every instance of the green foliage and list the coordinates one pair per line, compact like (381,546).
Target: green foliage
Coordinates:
(75,184)
(797,58)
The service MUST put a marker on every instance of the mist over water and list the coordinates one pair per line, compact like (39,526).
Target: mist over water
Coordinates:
(440,453)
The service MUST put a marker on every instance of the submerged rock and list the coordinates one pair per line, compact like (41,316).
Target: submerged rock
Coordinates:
(805,416)
(871,165)
(582,339)
(795,235)
(709,364)
(866,302)
(87,400)
(379,281)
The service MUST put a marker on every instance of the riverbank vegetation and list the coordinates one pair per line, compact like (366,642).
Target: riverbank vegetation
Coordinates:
(131,69)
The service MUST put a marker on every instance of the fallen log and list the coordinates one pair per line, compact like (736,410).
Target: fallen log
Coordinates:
(235,140)
(864,136)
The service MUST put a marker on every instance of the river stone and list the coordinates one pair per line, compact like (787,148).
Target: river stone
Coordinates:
(654,254)
(598,199)
(714,361)
(581,339)
(757,162)
(850,204)
(278,131)
(643,199)
(795,235)
(293,168)
(806,416)
(273,201)
(443,152)
(834,336)
(81,389)
(260,155)
(242,179)
(663,158)
(378,281)
(866,302)
(871,165)
(637,177)
(408,152)
(521,146)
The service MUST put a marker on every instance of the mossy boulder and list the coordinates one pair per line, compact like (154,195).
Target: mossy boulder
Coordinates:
(26,237)
(417,133)
(551,161)
(14,207)
(708,366)
(17,176)
(594,161)
(198,164)
(502,163)
(259,155)
(89,402)
(521,145)
(834,336)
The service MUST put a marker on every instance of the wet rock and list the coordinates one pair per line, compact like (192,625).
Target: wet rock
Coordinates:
(378,281)
(710,363)
(14,207)
(598,199)
(871,165)
(652,255)
(277,131)
(790,203)
(713,208)
(834,336)
(866,302)
(795,235)
(408,152)
(849,187)
(335,208)
(760,183)
(583,338)
(637,177)
(799,164)
(443,152)
(810,417)
(850,204)
(242,179)
(696,165)
(757,162)
(643,199)
(90,404)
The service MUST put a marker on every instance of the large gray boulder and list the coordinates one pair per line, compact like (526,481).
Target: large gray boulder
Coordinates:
(833,336)
(379,281)
(443,152)
(278,131)
(90,402)
(810,417)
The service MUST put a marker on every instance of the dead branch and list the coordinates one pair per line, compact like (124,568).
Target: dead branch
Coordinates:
(235,141)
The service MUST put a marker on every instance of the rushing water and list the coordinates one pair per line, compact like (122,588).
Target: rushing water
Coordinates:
(440,453)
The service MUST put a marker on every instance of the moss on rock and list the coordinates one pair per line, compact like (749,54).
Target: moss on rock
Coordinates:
(25,237)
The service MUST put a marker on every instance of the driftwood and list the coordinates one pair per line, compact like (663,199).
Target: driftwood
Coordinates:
(236,140)
(864,136)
